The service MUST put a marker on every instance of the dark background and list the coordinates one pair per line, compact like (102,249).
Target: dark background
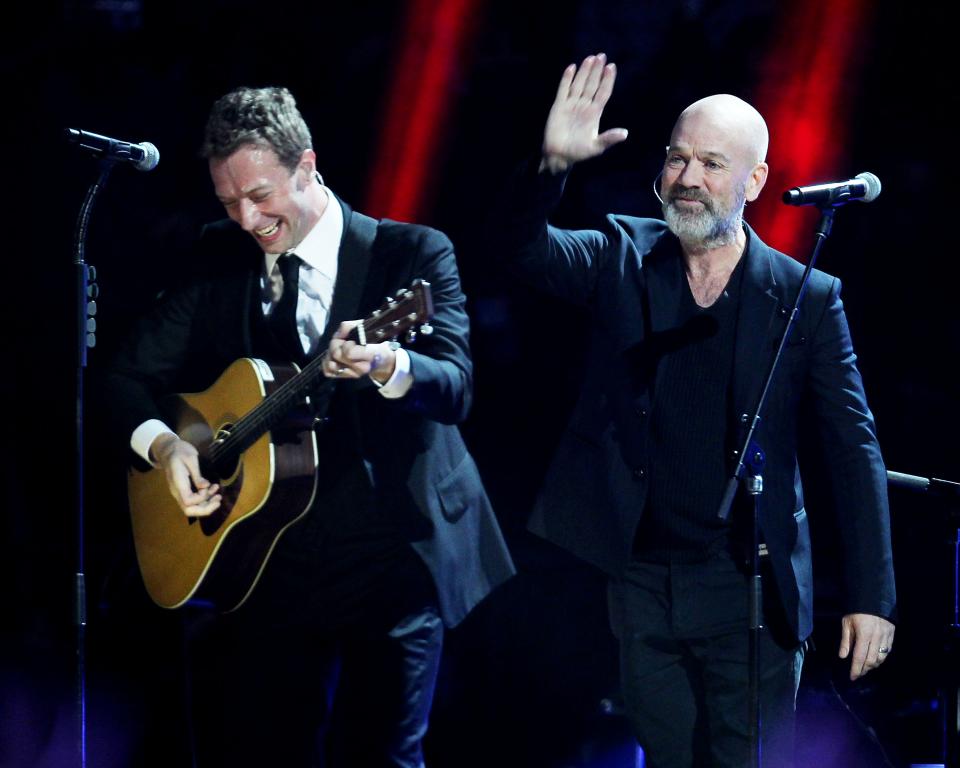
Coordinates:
(524,677)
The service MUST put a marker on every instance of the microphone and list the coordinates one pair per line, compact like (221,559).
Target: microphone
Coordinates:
(865,187)
(144,156)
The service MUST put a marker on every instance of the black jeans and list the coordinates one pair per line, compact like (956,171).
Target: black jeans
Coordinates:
(684,640)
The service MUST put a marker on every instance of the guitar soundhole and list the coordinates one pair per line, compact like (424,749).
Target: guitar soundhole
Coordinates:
(229,475)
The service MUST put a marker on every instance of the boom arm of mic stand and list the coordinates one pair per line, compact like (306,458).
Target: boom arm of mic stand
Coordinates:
(821,234)
(933,485)
(951,685)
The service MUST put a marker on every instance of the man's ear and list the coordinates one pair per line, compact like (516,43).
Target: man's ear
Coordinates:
(755,181)
(306,168)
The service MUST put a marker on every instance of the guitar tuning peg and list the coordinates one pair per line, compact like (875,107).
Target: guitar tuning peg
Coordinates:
(388,299)
(411,336)
(426,329)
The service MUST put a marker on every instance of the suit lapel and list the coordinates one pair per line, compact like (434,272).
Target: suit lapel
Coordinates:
(759,307)
(353,263)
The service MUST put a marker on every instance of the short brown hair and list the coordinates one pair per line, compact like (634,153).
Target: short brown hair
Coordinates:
(266,117)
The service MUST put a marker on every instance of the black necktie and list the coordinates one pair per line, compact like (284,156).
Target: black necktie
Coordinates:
(283,318)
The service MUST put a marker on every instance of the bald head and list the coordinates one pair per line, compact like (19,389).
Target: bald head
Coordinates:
(714,166)
(741,126)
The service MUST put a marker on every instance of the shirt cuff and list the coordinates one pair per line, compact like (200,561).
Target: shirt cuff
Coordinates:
(400,382)
(144,435)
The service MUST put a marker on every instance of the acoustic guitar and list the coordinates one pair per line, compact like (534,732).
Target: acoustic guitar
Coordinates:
(254,431)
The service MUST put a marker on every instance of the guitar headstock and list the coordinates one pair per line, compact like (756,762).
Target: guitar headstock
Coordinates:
(408,312)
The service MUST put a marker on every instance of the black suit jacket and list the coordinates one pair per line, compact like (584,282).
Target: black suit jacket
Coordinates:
(596,488)
(411,447)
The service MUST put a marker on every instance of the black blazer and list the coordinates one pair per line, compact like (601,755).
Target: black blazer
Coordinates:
(595,490)
(411,447)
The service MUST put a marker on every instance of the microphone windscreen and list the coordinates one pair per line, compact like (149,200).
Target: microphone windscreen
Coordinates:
(151,156)
(873,186)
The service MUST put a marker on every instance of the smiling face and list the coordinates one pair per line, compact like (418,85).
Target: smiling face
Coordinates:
(276,206)
(714,164)
(706,211)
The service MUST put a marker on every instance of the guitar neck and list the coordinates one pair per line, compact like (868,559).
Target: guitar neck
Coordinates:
(270,412)
(396,316)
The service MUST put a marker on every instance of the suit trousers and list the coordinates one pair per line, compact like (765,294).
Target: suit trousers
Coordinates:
(684,652)
(302,695)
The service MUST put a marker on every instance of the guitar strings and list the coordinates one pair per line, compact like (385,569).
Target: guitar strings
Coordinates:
(278,403)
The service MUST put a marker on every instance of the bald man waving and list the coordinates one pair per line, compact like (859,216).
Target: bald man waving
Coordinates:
(686,312)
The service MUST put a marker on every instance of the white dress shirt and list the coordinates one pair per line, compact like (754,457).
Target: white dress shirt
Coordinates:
(318,252)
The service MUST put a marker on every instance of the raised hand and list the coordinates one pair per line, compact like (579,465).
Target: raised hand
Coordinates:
(572,132)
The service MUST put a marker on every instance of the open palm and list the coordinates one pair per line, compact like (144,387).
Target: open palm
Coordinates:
(572,132)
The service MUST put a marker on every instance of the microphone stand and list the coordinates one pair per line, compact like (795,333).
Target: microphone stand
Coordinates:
(750,461)
(86,292)
(951,689)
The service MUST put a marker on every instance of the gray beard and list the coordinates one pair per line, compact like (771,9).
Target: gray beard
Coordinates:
(705,229)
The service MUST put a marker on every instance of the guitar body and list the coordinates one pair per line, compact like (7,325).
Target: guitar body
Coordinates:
(253,430)
(265,490)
